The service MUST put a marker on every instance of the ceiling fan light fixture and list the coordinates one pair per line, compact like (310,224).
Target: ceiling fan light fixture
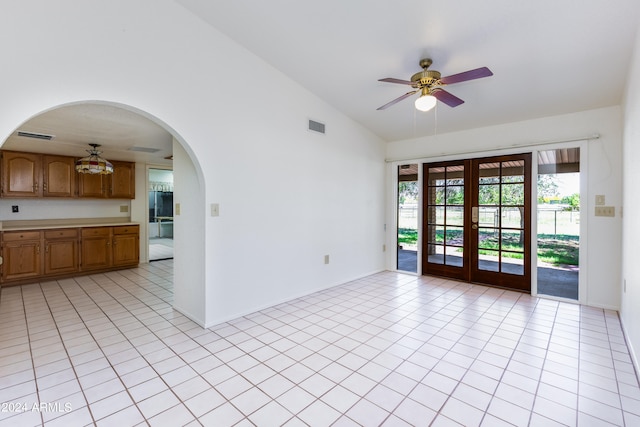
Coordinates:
(426,102)
(93,163)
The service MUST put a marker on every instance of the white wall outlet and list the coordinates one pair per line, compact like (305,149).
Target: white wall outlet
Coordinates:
(215,209)
(326,259)
(600,200)
(177,209)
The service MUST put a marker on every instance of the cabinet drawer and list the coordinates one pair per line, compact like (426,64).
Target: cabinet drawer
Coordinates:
(128,229)
(17,236)
(61,233)
(96,231)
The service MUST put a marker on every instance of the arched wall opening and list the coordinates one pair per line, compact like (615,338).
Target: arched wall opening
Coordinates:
(189,222)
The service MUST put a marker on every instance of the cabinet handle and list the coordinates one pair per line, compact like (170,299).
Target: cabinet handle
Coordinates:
(44,187)
(46,249)
(37,249)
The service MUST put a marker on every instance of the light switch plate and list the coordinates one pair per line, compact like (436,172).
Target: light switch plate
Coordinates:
(605,211)
(600,200)
(215,209)
(177,209)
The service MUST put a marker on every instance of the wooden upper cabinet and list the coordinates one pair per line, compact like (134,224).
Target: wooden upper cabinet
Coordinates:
(44,175)
(21,174)
(91,185)
(59,178)
(123,181)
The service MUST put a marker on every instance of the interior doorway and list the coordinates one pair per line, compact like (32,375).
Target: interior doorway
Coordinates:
(477,221)
(160,225)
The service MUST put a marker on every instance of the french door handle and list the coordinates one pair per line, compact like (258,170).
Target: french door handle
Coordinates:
(474,215)
(474,226)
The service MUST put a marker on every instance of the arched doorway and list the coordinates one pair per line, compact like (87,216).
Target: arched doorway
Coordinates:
(124,133)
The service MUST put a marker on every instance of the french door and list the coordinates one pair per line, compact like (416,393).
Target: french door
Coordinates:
(477,220)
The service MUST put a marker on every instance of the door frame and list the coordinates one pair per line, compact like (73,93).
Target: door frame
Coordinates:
(533,148)
(146,202)
(469,270)
(585,204)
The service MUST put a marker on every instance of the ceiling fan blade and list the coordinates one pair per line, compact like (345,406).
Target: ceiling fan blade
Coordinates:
(398,99)
(446,97)
(392,80)
(467,75)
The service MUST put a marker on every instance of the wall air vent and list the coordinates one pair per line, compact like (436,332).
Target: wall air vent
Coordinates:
(145,149)
(316,126)
(34,135)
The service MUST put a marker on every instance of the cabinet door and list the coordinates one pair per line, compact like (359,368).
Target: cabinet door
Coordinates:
(21,174)
(122,181)
(91,185)
(21,255)
(95,250)
(126,245)
(59,178)
(61,251)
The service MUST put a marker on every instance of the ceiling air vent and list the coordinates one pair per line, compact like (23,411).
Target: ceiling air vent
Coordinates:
(144,149)
(316,126)
(34,135)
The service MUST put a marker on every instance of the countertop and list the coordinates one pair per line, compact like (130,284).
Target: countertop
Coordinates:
(47,224)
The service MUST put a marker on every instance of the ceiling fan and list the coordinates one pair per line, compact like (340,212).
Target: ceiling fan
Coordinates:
(429,84)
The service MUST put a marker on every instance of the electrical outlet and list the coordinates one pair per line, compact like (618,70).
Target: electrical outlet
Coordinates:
(326,259)
(605,211)
(384,248)
(177,209)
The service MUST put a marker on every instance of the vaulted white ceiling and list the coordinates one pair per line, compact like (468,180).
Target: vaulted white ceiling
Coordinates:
(548,57)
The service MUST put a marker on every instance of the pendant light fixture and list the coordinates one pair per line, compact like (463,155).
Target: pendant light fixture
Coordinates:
(93,163)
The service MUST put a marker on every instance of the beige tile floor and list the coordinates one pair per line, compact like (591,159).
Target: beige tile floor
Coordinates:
(389,349)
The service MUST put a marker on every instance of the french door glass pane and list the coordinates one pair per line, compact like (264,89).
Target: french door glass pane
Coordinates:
(512,217)
(435,253)
(453,256)
(455,195)
(512,194)
(511,265)
(512,241)
(488,195)
(455,215)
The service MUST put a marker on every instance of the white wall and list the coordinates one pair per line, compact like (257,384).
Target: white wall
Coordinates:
(287,196)
(604,177)
(630,312)
(189,294)
(61,208)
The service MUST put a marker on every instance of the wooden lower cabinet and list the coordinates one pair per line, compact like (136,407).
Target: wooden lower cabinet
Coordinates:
(61,251)
(33,255)
(96,248)
(126,245)
(21,255)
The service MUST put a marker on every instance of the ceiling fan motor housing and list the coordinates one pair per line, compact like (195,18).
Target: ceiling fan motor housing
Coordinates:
(425,78)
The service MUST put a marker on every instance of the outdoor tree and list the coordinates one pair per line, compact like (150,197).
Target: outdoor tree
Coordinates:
(547,187)
(407,190)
